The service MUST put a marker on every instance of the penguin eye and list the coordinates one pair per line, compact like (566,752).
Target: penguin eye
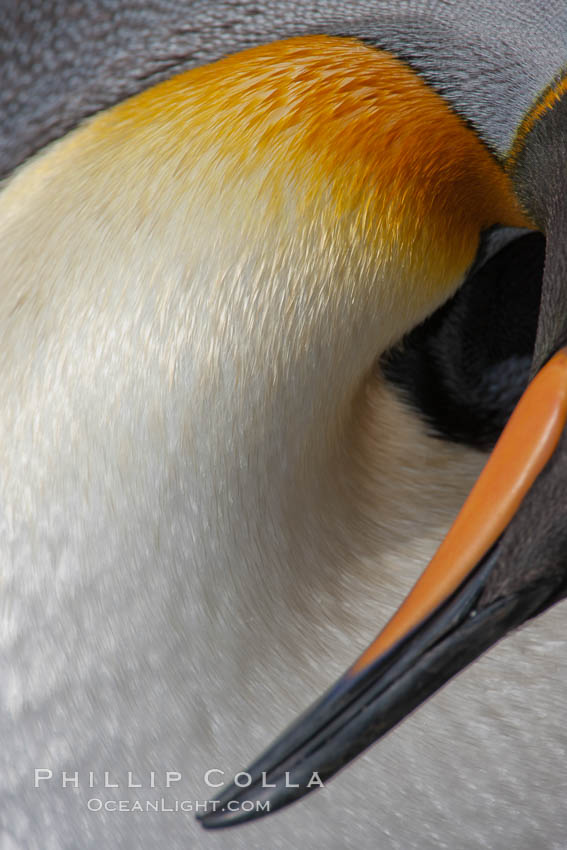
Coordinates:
(466,366)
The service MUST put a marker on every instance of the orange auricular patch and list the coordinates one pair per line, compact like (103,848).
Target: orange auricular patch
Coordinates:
(359,137)
(550,98)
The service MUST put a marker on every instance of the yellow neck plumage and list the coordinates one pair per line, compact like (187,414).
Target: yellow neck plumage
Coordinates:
(281,215)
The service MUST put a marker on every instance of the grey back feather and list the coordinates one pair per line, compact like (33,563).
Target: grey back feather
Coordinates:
(62,60)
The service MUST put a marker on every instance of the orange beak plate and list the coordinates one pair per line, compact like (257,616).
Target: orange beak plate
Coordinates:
(437,630)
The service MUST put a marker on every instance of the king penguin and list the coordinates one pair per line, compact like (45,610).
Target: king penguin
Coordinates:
(246,249)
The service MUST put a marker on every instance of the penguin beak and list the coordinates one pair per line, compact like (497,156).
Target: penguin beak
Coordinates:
(503,561)
(481,583)
(484,580)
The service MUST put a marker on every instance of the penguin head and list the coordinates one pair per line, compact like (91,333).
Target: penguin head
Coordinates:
(504,560)
(434,124)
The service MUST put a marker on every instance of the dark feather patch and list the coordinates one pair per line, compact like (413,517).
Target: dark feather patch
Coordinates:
(465,368)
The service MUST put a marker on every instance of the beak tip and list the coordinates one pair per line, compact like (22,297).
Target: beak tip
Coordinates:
(264,795)
(242,806)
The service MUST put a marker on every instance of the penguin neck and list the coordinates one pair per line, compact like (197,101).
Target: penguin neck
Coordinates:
(234,248)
